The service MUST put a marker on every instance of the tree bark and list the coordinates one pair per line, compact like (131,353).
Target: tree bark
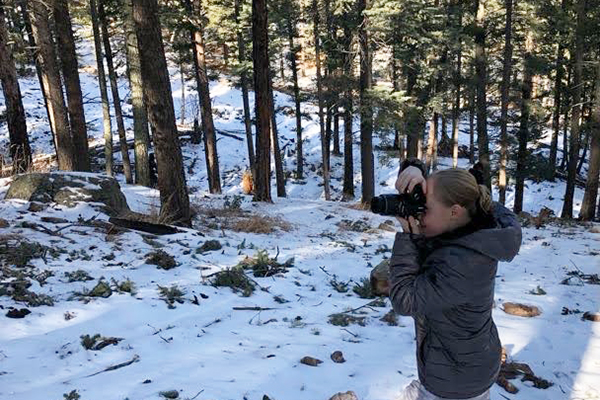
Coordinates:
(70,72)
(567,211)
(504,91)
(182,79)
(431,141)
(19,149)
(324,144)
(141,133)
(260,52)
(481,83)
(522,154)
(32,53)
(348,187)
(108,142)
(210,140)
(457,82)
(472,121)
(560,57)
(366,113)
(293,56)
(51,83)
(279,174)
(566,107)
(336,131)
(244,85)
(112,76)
(175,205)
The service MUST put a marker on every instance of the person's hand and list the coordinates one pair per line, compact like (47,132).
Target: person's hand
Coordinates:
(410,226)
(409,178)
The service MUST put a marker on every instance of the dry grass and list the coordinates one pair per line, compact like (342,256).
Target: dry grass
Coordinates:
(261,224)
(238,220)
(358,206)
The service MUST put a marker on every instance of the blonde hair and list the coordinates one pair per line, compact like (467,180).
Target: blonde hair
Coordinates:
(458,186)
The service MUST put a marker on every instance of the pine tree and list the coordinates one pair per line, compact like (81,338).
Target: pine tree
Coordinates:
(112,77)
(141,135)
(19,150)
(106,122)
(366,114)
(175,205)
(481,84)
(51,84)
(210,140)
(506,73)
(588,205)
(244,86)
(567,211)
(260,53)
(70,73)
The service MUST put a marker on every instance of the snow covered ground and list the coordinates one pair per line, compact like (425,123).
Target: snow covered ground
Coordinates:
(209,350)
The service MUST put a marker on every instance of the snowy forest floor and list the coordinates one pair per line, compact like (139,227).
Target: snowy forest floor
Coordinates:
(210,342)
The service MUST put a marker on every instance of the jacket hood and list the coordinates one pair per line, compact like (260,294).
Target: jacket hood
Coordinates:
(501,242)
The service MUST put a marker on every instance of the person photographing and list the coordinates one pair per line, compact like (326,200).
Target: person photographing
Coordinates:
(442,273)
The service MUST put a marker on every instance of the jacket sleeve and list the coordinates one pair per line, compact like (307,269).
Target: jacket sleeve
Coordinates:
(421,290)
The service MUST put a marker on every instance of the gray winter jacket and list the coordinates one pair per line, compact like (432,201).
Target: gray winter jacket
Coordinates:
(446,284)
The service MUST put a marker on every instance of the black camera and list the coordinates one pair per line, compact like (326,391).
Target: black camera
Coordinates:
(400,205)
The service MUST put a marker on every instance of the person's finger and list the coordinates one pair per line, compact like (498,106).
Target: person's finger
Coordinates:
(412,183)
(401,183)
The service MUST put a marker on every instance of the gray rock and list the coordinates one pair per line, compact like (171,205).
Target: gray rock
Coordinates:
(69,188)
(380,278)
(349,395)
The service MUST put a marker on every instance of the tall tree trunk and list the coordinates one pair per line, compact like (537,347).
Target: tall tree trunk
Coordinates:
(586,143)
(431,141)
(457,82)
(210,140)
(140,117)
(293,55)
(472,121)
(522,155)
(108,142)
(560,57)
(366,113)
(348,187)
(175,204)
(19,149)
(70,72)
(398,135)
(244,84)
(114,86)
(51,83)
(481,83)
(32,53)
(414,121)
(336,131)
(566,109)
(260,57)
(182,78)
(567,211)
(324,144)
(279,175)
(504,91)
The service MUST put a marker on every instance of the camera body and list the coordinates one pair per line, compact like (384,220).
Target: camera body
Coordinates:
(400,205)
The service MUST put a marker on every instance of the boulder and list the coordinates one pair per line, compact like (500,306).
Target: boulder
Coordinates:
(69,188)
(380,278)
(349,395)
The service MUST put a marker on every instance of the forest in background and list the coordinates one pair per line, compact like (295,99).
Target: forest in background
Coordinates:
(411,72)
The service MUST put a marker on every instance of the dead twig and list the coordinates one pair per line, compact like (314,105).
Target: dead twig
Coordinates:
(252,308)
(135,359)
